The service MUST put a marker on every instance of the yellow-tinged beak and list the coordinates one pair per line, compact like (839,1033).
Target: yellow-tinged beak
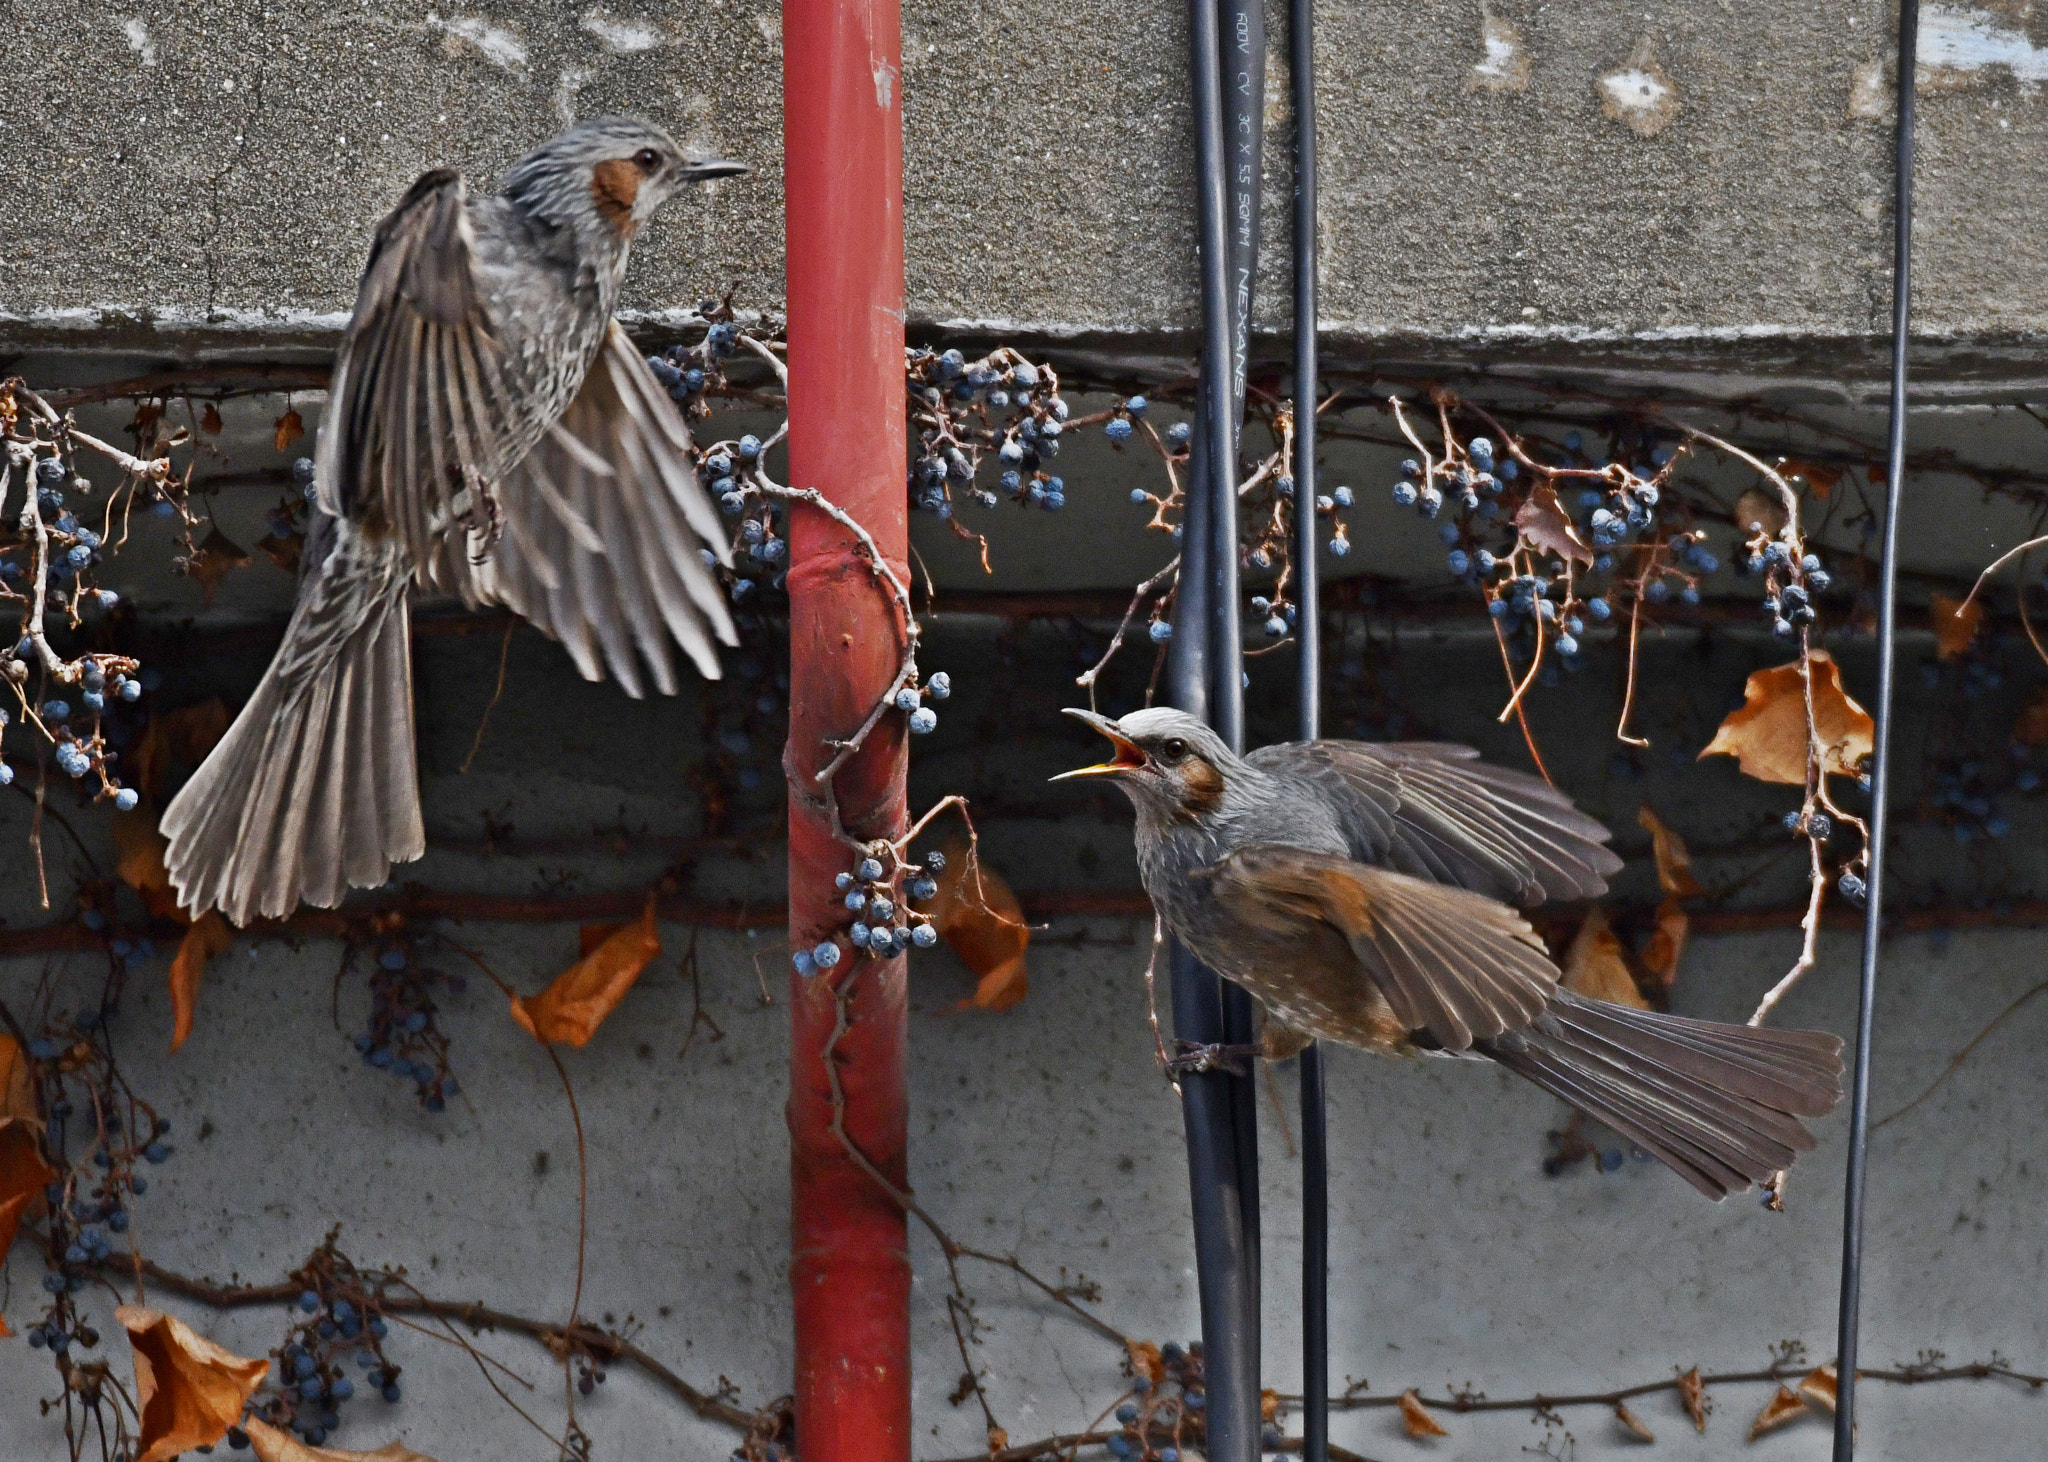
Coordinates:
(1129,757)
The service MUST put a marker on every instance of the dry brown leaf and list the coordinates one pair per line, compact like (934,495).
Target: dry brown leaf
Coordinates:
(1594,965)
(181,738)
(23,1174)
(209,420)
(1954,625)
(290,427)
(1269,1404)
(1633,1422)
(205,939)
(1757,508)
(1674,859)
(17,1082)
(1820,477)
(981,922)
(272,1445)
(1666,944)
(1693,1392)
(1416,1418)
(1548,527)
(139,861)
(285,551)
(1767,736)
(1783,1407)
(216,557)
(1818,1387)
(189,1390)
(1146,1360)
(2032,727)
(570,1010)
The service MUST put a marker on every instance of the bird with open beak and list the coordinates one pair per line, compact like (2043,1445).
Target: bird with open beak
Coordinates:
(1367,894)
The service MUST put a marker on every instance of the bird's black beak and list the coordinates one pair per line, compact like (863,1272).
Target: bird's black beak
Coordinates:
(1129,756)
(702,170)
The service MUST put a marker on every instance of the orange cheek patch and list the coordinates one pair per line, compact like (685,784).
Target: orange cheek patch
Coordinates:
(613,187)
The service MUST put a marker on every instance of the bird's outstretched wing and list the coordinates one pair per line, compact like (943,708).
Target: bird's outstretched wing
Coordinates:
(619,462)
(1436,811)
(421,415)
(1458,965)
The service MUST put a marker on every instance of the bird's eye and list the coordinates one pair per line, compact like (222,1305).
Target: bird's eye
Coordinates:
(1172,749)
(647,159)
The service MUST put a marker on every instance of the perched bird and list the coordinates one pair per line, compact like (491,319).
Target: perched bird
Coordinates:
(1363,894)
(490,433)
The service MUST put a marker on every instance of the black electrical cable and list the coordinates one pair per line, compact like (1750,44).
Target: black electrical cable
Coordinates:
(1203,618)
(1315,1136)
(1880,760)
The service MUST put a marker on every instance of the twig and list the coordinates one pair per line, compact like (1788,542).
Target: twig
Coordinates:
(1956,1061)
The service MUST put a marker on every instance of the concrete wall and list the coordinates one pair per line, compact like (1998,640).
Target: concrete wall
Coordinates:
(1046,1130)
(1572,180)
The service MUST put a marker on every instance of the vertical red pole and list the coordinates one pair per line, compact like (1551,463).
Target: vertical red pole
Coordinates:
(843,177)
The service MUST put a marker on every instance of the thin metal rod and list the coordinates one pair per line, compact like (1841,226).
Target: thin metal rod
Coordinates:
(1241,37)
(1880,763)
(1315,1135)
(1221,1190)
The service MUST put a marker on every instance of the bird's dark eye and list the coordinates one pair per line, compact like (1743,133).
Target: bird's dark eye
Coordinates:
(647,159)
(1172,749)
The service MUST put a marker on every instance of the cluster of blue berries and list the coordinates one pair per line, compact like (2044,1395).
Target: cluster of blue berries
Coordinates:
(910,698)
(1791,581)
(690,372)
(334,1352)
(1966,794)
(1156,1412)
(404,1037)
(884,925)
(70,548)
(964,410)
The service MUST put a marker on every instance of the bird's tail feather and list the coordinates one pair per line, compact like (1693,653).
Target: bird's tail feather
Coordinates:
(314,789)
(1718,1104)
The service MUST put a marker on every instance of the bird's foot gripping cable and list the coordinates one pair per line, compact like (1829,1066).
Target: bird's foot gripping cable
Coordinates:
(1193,1056)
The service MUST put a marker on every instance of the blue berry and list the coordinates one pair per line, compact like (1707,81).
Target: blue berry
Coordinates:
(923,720)
(924,936)
(856,900)
(54,710)
(1117,430)
(906,699)
(843,882)
(870,870)
(940,685)
(1429,501)
(1405,494)
(1343,497)
(1854,889)
(1160,631)
(1567,646)
(1340,546)
(858,934)
(126,799)
(1127,1413)
(1459,561)
(309,1301)
(826,955)
(1658,591)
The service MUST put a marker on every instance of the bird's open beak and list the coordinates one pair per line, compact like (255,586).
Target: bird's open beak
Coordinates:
(1128,756)
(704,169)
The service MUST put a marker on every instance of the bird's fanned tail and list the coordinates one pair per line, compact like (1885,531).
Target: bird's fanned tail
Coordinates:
(314,789)
(1718,1104)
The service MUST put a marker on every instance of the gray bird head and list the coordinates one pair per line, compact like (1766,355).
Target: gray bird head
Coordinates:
(607,176)
(1170,764)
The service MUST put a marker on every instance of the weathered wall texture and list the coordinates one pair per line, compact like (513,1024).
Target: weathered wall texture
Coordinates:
(1678,179)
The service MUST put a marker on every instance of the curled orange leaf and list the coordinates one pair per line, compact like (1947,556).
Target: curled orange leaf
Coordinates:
(139,862)
(189,1390)
(1416,1418)
(1594,965)
(1954,624)
(981,921)
(1782,1408)
(23,1176)
(205,939)
(1548,527)
(1818,1387)
(570,1010)
(1673,858)
(1634,1423)
(272,1445)
(1692,1391)
(17,1081)
(290,427)
(1767,735)
(1666,944)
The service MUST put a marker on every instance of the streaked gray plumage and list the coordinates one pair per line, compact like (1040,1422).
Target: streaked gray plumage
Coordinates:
(490,433)
(1362,894)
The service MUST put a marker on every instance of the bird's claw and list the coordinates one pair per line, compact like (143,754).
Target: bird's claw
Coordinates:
(1193,1056)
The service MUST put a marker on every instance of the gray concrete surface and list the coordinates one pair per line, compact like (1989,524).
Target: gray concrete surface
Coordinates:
(1587,182)
(1045,1130)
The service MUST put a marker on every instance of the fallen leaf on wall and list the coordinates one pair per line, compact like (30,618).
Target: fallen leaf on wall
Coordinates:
(1673,858)
(1666,944)
(290,427)
(272,1445)
(1416,1418)
(283,550)
(570,1010)
(216,557)
(189,1391)
(1595,967)
(17,1081)
(209,420)
(1954,626)
(1767,735)
(1546,525)
(205,939)
(981,922)
(1782,1408)
(23,1174)
(1692,1393)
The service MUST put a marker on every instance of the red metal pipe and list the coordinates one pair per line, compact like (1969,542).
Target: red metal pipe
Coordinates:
(843,178)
